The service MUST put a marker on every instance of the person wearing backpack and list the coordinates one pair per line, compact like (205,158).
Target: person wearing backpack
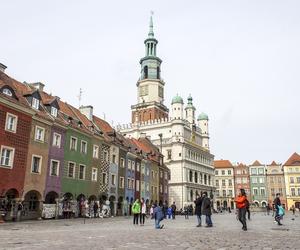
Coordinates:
(158,216)
(279,213)
(136,210)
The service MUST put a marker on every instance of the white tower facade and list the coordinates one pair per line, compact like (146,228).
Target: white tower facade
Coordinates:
(177,108)
(190,111)
(203,124)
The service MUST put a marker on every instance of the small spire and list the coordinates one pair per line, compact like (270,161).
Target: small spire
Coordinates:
(151,33)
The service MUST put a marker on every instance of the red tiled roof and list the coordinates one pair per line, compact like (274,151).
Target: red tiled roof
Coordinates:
(222,164)
(293,160)
(256,163)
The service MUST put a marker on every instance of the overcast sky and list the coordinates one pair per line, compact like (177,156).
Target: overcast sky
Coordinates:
(238,59)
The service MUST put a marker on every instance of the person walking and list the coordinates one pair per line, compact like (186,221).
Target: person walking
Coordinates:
(143,212)
(136,210)
(198,204)
(158,216)
(96,207)
(206,209)
(293,209)
(277,205)
(241,205)
(173,210)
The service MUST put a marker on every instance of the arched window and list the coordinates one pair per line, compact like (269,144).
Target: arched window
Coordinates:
(158,73)
(191,176)
(205,179)
(191,195)
(145,72)
(196,177)
(7,92)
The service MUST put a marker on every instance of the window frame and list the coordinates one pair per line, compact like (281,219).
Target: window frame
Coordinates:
(84,172)
(76,139)
(113,179)
(121,182)
(94,179)
(95,149)
(35,103)
(54,111)
(11,158)
(74,169)
(14,129)
(57,170)
(40,164)
(86,146)
(54,140)
(37,127)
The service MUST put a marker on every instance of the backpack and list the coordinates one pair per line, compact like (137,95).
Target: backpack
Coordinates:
(281,211)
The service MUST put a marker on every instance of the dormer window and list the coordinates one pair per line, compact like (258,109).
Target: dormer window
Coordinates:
(7,92)
(54,111)
(35,103)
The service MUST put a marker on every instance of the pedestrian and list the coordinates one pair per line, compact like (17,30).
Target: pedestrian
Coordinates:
(248,208)
(198,204)
(293,209)
(158,216)
(151,211)
(173,210)
(186,212)
(268,209)
(278,208)
(241,205)
(136,210)
(169,212)
(143,212)
(206,209)
(96,207)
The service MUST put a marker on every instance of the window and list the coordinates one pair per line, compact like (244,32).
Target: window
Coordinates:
(113,179)
(81,172)
(230,193)
(54,168)
(229,172)
(147,187)
(223,172)
(216,172)
(190,176)
(223,183)
(95,151)
(230,183)
(169,153)
(56,140)
(7,92)
(35,103)
(238,171)
(262,191)
(132,183)
(279,179)
(94,174)
(261,180)
(155,190)
(71,170)
(121,184)
(83,147)
(152,174)
(39,133)
(272,191)
(293,192)
(104,181)
(7,156)
(255,192)
(122,162)
(73,143)
(271,179)
(238,180)
(36,164)
(160,188)
(254,180)
(224,193)
(161,174)
(137,185)
(132,165)
(105,155)
(217,183)
(298,179)
(129,164)
(196,177)
(54,111)
(245,180)
(166,175)
(253,170)
(128,183)
(292,180)
(261,171)
(299,191)
(113,158)
(137,167)
(11,122)
(147,171)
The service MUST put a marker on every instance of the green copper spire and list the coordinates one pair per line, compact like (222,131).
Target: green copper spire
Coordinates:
(151,33)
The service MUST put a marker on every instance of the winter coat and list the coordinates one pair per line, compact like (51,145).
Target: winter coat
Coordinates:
(277,203)
(136,208)
(206,206)
(158,214)
(241,201)
(198,203)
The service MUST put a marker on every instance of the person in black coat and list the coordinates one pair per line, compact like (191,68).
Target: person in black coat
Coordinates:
(198,204)
(206,209)
(277,203)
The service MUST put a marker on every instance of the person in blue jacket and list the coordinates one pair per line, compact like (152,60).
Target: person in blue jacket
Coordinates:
(158,216)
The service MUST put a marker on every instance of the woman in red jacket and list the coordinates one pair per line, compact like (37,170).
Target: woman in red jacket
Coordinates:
(241,202)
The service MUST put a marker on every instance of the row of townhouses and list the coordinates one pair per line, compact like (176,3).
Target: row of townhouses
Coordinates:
(52,153)
(260,181)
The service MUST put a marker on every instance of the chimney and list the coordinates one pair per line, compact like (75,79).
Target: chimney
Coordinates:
(38,85)
(2,67)
(87,111)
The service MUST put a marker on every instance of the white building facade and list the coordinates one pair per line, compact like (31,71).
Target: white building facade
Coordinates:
(183,140)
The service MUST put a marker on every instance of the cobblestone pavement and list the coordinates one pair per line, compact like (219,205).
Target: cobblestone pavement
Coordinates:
(119,233)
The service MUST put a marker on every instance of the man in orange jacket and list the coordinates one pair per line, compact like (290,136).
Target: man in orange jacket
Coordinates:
(241,202)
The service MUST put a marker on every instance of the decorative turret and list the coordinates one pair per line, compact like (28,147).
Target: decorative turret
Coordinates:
(203,124)
(177,107)
(190,110)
